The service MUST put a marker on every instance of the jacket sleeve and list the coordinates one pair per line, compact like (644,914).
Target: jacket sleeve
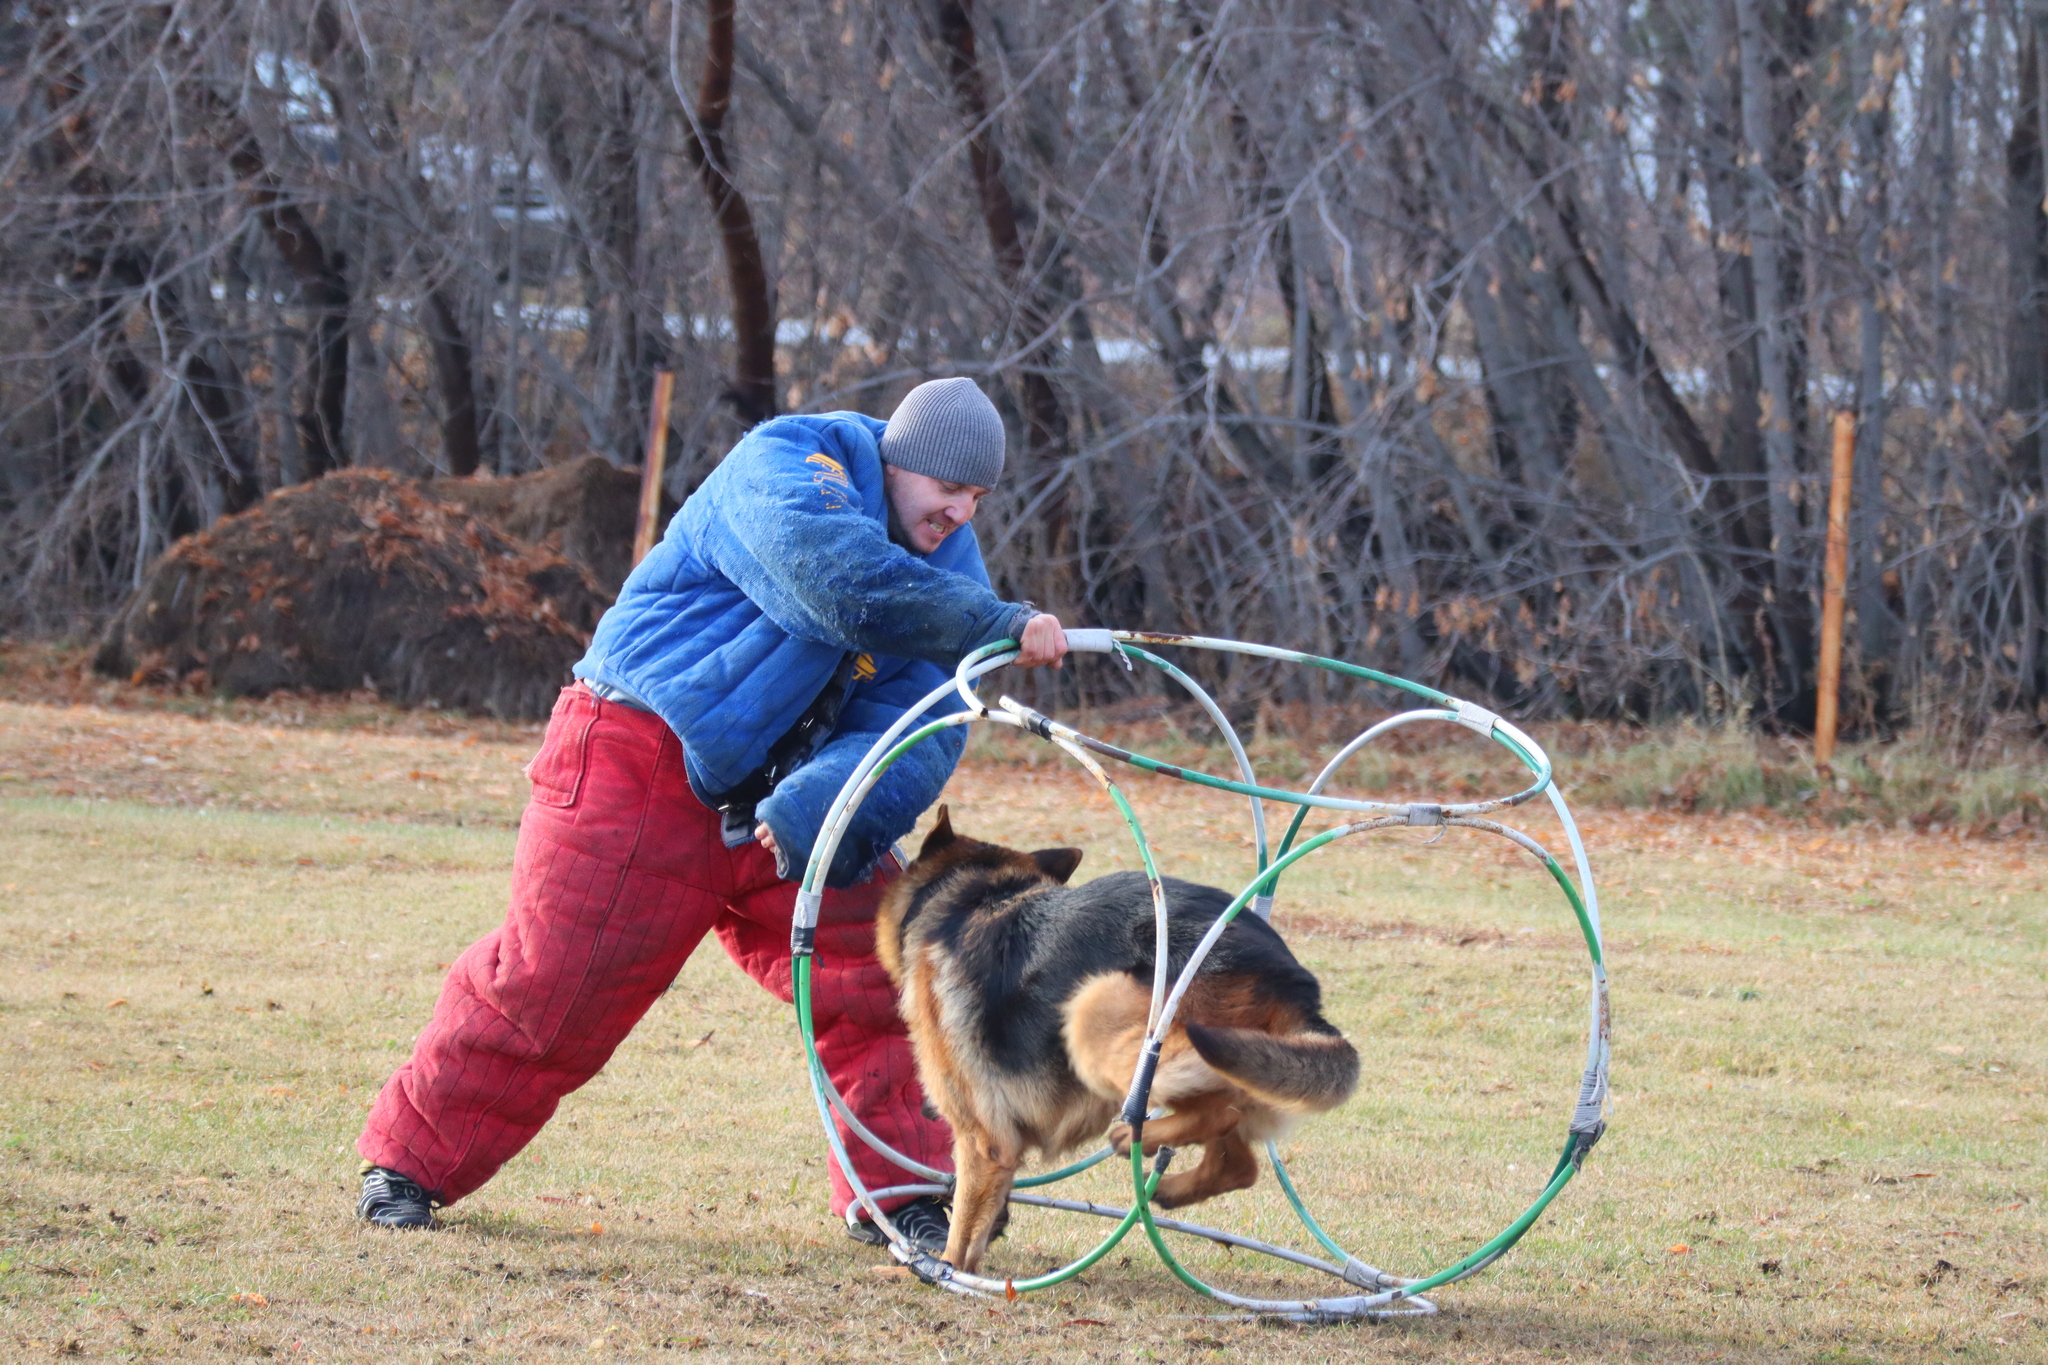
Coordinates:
(799,537)
(796,810)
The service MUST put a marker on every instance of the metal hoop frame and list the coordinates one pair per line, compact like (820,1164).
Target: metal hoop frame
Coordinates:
(1386,1295)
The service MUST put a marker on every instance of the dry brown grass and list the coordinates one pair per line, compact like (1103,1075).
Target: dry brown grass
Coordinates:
(1984,777)
(1827,1138)
(1981,773)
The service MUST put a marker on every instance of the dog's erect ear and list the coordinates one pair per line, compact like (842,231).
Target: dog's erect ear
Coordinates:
(1057,863)
(941,835)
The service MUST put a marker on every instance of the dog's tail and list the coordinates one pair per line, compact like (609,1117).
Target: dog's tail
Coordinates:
(1303,1072)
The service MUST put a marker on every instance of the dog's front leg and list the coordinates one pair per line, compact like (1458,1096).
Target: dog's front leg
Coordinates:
(984,1169)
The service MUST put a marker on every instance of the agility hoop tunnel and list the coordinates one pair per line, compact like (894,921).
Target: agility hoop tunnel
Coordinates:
(1386,1295)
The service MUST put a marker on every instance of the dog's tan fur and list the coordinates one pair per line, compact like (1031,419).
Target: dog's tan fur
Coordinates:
(998,1115)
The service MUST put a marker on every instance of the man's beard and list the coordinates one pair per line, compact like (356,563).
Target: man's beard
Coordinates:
(900,534)
(897,534)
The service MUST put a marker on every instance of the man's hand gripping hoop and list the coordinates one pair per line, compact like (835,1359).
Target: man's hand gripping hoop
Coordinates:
(1384,1294)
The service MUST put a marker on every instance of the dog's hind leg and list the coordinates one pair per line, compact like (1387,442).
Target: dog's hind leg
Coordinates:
(1196,1118)
(984,1169)
(1227,1164)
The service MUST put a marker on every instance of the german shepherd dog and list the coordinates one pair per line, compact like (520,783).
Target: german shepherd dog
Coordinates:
(1027,1001)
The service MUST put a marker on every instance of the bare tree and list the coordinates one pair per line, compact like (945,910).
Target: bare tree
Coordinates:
(1485,343)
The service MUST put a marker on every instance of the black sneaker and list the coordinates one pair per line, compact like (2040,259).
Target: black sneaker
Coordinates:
(391,1200)
(923,1221)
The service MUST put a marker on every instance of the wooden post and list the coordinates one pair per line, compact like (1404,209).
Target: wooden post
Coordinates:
(651,467)
(1827,706)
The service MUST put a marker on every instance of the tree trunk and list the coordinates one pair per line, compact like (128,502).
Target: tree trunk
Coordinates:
(454,366)
(1789,612)
(1046,424)
(1875,624)
(1941,267)
(323,284)
(2026,348)
(753,391)
(2027,345)
(1721,155)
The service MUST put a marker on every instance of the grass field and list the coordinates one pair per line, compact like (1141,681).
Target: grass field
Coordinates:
(1827,1140)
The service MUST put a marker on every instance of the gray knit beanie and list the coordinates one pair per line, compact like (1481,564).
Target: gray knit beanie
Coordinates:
(946,429)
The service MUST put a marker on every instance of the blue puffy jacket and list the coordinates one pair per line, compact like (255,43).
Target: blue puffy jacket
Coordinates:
(777,567)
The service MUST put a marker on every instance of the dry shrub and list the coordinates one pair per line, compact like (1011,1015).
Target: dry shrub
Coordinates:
(361,579)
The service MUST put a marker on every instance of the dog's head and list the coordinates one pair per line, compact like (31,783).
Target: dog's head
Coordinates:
(959,869)
(944,848)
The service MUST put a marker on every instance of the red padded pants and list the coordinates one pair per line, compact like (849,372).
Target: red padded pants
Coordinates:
(619,872)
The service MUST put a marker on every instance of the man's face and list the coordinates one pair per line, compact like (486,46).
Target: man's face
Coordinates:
(923,511)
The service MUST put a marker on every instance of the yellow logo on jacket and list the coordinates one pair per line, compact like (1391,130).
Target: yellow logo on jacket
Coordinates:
(863,667)
(838,469)
(831,480)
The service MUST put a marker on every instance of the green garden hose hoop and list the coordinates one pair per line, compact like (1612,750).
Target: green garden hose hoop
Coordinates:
(1387,1295)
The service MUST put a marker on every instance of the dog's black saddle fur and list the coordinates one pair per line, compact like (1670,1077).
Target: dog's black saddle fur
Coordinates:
(1024,947)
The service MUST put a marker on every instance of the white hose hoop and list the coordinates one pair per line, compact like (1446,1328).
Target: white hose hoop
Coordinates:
(1391,1295)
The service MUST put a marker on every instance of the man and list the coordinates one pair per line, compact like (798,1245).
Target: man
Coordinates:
(821,581)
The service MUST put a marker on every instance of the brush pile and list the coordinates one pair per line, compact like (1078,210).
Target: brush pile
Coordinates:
(583,508)
(362,579)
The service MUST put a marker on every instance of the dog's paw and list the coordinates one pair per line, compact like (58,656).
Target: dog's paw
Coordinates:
(1178,1191)
(1120,1138)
